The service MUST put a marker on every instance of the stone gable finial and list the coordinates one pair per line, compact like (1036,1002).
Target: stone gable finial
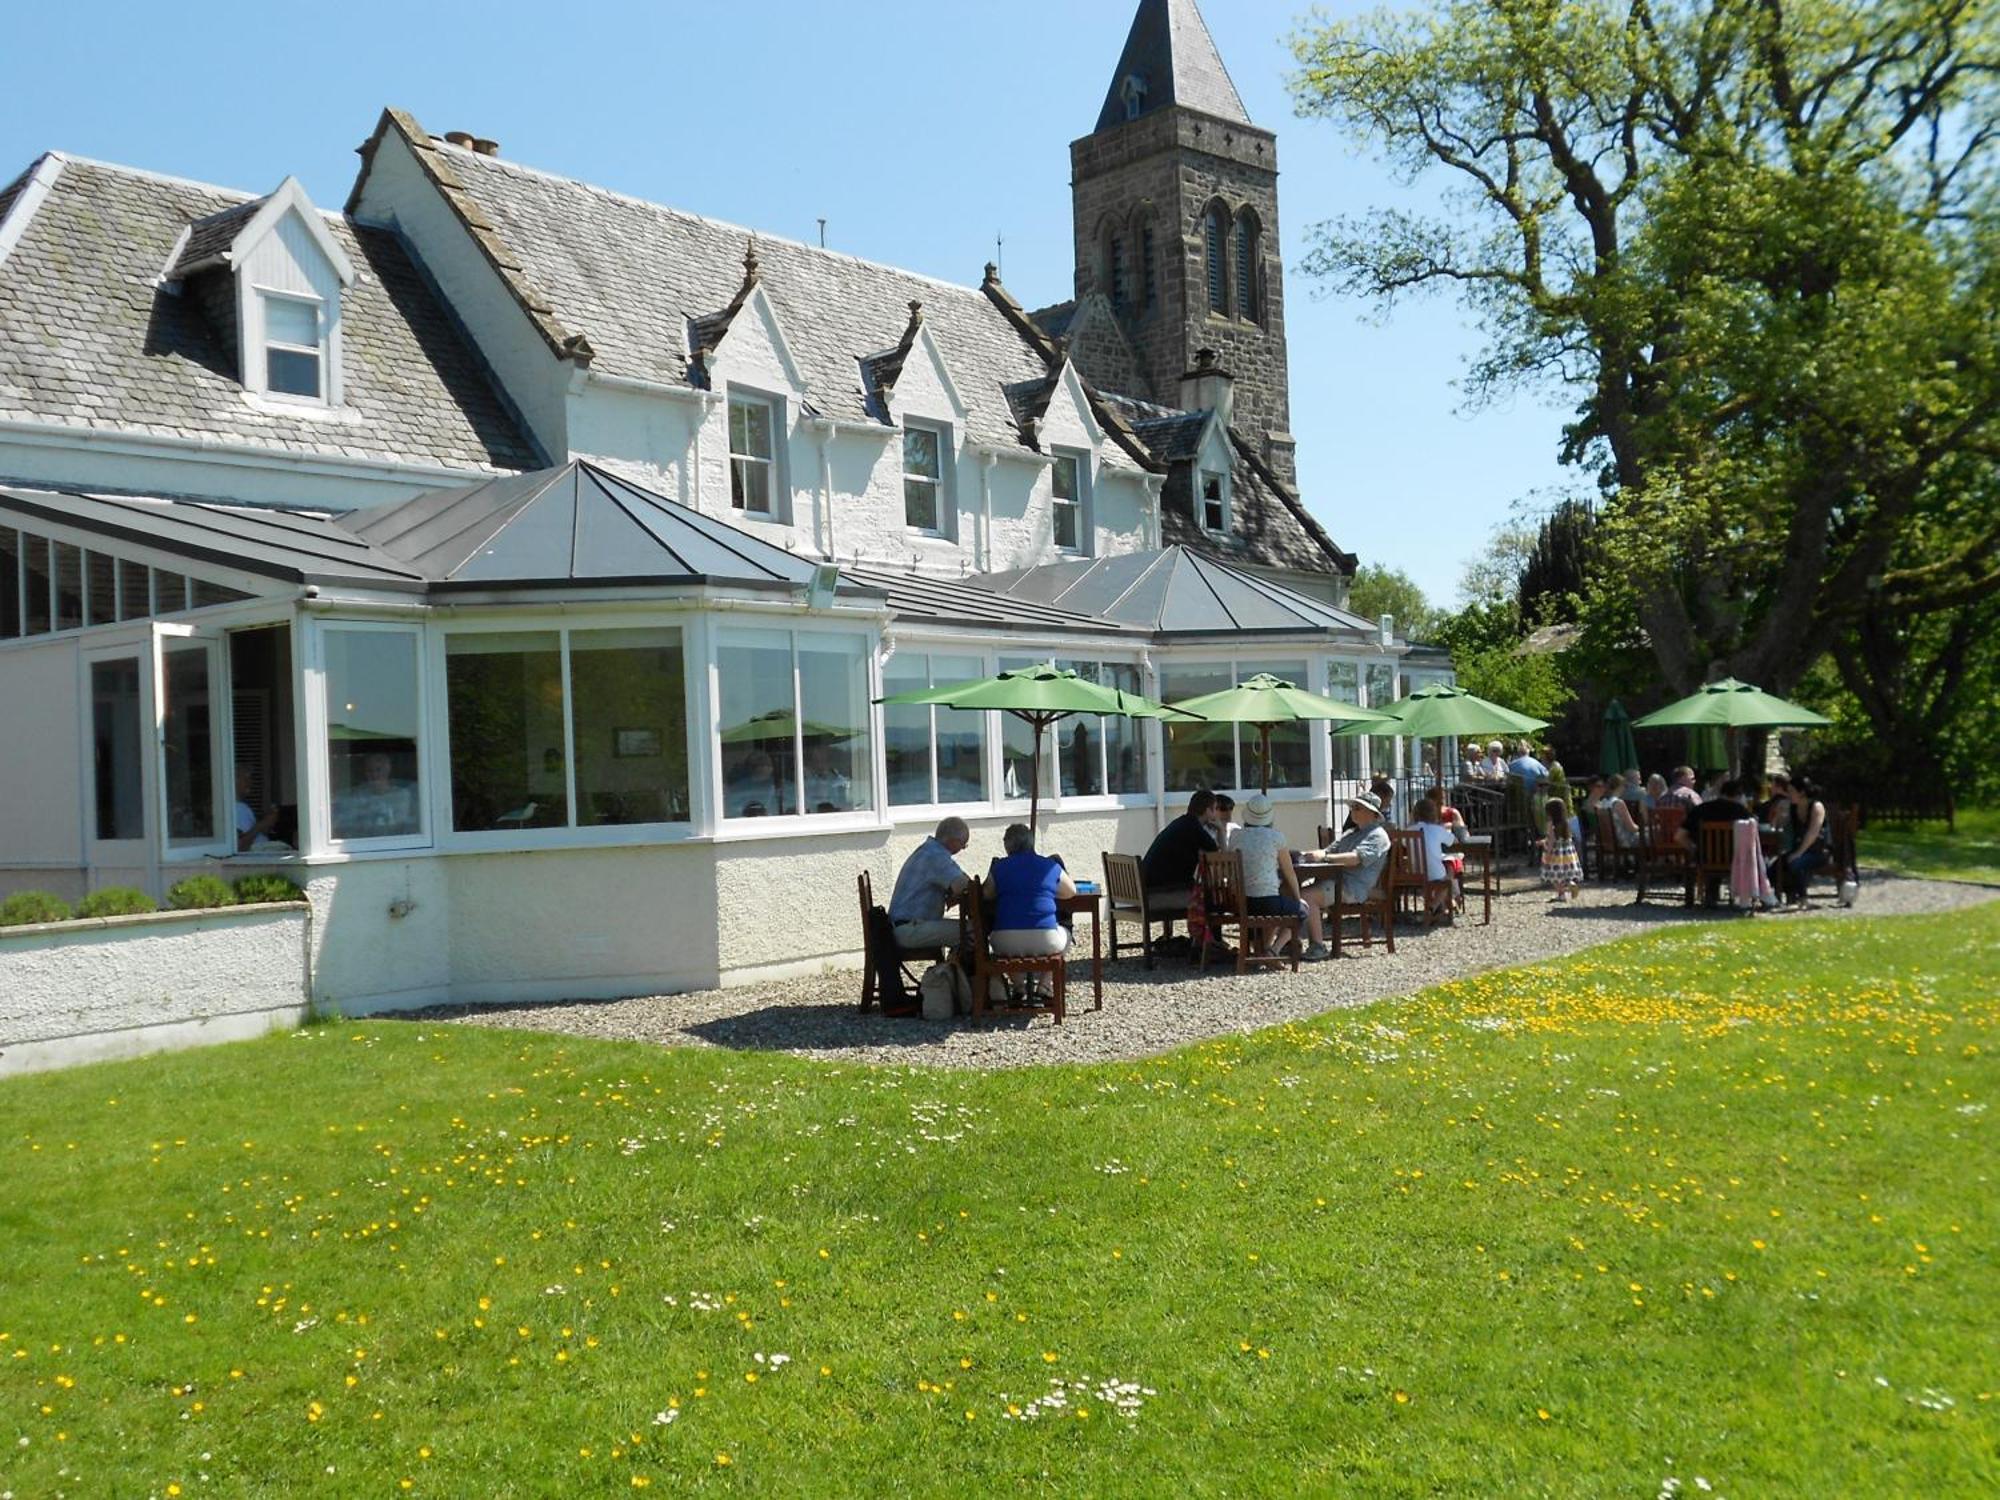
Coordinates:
(752,267)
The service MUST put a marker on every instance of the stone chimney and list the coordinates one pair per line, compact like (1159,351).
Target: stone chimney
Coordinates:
(1208,387)
(466,140)
(462,138)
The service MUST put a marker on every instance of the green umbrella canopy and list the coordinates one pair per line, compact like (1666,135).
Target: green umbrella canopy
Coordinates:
(1620,752)
(1730,704)
(782,724)
(1045,689)
(1442,711)
(1266,701)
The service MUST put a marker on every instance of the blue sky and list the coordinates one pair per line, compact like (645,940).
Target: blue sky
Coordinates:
(918,131)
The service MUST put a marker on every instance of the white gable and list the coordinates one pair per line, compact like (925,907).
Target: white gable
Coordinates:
(1068,422)
(926,388)
(755,350)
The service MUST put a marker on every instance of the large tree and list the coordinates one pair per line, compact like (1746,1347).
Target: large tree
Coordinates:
(1757,237)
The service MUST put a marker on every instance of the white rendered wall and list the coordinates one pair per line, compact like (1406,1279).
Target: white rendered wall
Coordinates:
(120,986)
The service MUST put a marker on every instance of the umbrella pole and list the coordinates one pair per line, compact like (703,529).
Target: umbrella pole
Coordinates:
(1264,756)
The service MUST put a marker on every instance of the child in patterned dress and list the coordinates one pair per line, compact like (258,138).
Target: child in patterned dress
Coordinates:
(1561,870)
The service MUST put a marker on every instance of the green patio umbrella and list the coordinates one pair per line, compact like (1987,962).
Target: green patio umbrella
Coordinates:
(1729,705)
(1038,696)
(1441,711)
(1620,752)
(1264,702)
(780,726)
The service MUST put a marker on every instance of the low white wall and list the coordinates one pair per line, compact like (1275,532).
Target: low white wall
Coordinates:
(109,987)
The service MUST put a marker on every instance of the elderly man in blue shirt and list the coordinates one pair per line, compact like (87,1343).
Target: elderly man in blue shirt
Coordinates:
(1524,765)
(929,881)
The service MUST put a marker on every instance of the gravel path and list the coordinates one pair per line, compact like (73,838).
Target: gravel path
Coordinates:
(1150,1012)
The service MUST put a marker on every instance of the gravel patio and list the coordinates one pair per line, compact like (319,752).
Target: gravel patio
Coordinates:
(1147,1012)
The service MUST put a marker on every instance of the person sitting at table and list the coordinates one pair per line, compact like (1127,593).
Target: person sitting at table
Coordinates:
(1360,853)
(1169,864)
(1526,766)
(1682,793)
(1624,827)
(929,881)
(376,806)
(1442,827)
(1024,887)
(1494,767)
(1225,820)
(1473,765)
(1270,884)
(1656,789)
(253,829)
(1729,805)
(1814,846)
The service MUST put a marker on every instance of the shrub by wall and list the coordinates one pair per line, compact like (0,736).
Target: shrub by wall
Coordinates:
(24,908)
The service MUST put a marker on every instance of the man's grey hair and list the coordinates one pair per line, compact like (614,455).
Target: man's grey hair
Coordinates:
(953,828)
(1018,838)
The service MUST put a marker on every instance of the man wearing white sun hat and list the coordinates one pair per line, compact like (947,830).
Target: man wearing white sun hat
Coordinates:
(1360,853)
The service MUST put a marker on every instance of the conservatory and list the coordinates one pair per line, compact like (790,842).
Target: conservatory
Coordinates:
(556,736)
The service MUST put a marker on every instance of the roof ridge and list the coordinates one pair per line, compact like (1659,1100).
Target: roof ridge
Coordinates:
(170,179)
(765,236)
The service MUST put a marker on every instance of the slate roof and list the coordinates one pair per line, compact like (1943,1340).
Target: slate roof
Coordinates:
(1170,51)
(209,238)
(285,546)
(964,602)
(88,337)
(1171,435)
(578,524)
(1175,591)
(630,277)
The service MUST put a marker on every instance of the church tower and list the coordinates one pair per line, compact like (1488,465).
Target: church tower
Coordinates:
(1175,196)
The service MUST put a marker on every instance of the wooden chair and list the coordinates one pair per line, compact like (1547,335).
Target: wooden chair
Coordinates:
(1612,861)
(1712,867)
(1416,894)
(866,889)
(987,966)
(1228,906)
(1126,896)
(1378,910)
(1662,861)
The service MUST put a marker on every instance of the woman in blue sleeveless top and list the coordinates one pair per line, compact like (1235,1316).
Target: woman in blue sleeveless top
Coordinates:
(1024,888)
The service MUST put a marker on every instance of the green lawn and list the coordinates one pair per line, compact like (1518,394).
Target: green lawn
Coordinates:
(1970,853)
(1714,1205)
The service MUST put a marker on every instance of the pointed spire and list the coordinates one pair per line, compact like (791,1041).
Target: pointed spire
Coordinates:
(752,268)
(1170,58)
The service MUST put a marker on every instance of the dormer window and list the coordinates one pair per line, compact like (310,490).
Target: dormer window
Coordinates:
(1068,487)
(294,347)
(268,274)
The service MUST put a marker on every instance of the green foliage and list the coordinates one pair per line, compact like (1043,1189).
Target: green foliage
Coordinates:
(199,893)
(1379,590)
(1558,568)
(26,908)
(257,890)
(1486,641)
(116,901)
(1363,1254)
(1756,242)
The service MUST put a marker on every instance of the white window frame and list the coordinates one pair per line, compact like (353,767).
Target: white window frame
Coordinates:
(982,664)
(944,506)
(571,835)
(773,409)
(1246,735)
(1223,498)
(319,754)
(1078,503)
(322,351)
(1016,656)
(787,825)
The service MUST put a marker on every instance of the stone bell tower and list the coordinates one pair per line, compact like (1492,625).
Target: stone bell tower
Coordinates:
(1175,196)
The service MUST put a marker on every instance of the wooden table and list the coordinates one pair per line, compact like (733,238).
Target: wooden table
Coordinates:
(1477,848)
(1089,904)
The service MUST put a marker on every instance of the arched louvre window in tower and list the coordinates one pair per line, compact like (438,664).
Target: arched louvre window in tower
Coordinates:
(1121,286)
(1215,239)
(1149,278)
(1246,267)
